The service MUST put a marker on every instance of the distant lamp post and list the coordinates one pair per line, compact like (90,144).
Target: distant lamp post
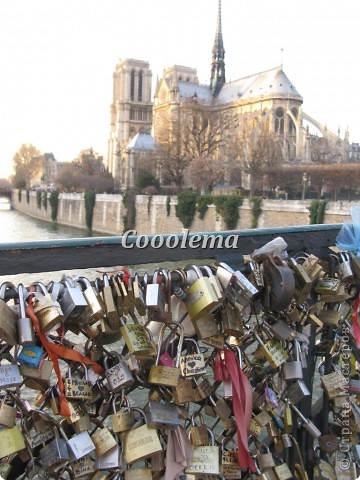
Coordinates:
(304,181)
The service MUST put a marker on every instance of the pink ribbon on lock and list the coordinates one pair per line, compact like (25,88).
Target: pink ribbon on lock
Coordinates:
(226,367)
(178,451)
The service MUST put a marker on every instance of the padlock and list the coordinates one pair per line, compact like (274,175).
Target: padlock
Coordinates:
(83,467)
(198,431)
(55,453)
(138,294)
(303,283)
(162,375)
(7,412)
(236,287)
(279,328)
(112,314)
(159,415)
(72,301)
(8,318)
(264,457)
(282,471)
(183,392)
(139,473)
(26,332)
(232,319)
(30,356)
(103,439)
(222,409)
(83,424)
(46,308)
(307,424)
(97,308)
(335,384)
(206,326)
(118,375)
(229,462)
(200,295)
(215,282)
(344,266)
(296,391)
(135,448)
(192,364)
(292,370)
(272,349)
(156,296)
(279,284)
(327,286)
(78,445)
(354,384)
(205,459)
(9,373)
(111,460)
(136,337)
(124,303)
(124,419)
(345,467)
(11,441)
(78,388)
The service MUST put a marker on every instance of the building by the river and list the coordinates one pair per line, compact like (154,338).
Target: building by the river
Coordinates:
(269,96)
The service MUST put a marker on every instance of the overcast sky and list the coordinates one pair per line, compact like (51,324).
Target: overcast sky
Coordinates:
(58,57)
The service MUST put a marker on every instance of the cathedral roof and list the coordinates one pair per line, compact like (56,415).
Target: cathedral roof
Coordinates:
(270,82)
(190,90)
(141,141)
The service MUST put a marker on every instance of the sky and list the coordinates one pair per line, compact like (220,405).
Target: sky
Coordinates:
(58,57)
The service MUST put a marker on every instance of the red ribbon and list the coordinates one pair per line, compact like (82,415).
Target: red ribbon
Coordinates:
(55,351)
(242,406)
(355,321)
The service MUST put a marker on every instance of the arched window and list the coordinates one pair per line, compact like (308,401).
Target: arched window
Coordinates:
(132,85)
(140,86)
(279,121)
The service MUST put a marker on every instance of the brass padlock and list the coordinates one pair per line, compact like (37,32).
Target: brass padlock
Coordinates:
(164,375)
(8,318)
(205,459)
(112,314)
(135,449)
(46,308)
(303,282)
(7,412)
(136,337)
(200,295)
(96,306)
(198,431)
(124,419)
(139,296)
(193,362)
(264,457)
(78,388)
(103,440)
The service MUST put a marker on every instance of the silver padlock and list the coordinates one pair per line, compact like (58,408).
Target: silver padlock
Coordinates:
(25,327)
(264,457)
(308,425)
(344,266)
(72,301)
(118,375)
(292,370)
(79,445)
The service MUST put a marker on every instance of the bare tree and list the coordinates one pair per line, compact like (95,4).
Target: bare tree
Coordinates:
(89,163)
(191,144)
(27,163)
(323,151)
(257,150)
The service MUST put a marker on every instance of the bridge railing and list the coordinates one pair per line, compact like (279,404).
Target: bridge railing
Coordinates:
(92,252)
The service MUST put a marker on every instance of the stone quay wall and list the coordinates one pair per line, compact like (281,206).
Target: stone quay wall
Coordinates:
(156,214)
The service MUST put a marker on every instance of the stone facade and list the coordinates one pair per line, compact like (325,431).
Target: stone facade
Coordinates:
(152,214)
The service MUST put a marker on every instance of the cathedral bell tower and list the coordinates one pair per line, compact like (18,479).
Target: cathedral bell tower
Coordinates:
(217,79)
(130,111)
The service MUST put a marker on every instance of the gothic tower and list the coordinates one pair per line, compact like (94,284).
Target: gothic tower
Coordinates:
(217,79)
(131,109)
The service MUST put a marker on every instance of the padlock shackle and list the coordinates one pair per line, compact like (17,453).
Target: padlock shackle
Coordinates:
(4,286)
(180,341)
(21,298)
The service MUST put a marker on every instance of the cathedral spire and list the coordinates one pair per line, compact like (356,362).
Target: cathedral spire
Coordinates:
(217,79)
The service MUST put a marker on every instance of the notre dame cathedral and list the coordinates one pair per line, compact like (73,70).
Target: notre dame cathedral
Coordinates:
(269,94)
